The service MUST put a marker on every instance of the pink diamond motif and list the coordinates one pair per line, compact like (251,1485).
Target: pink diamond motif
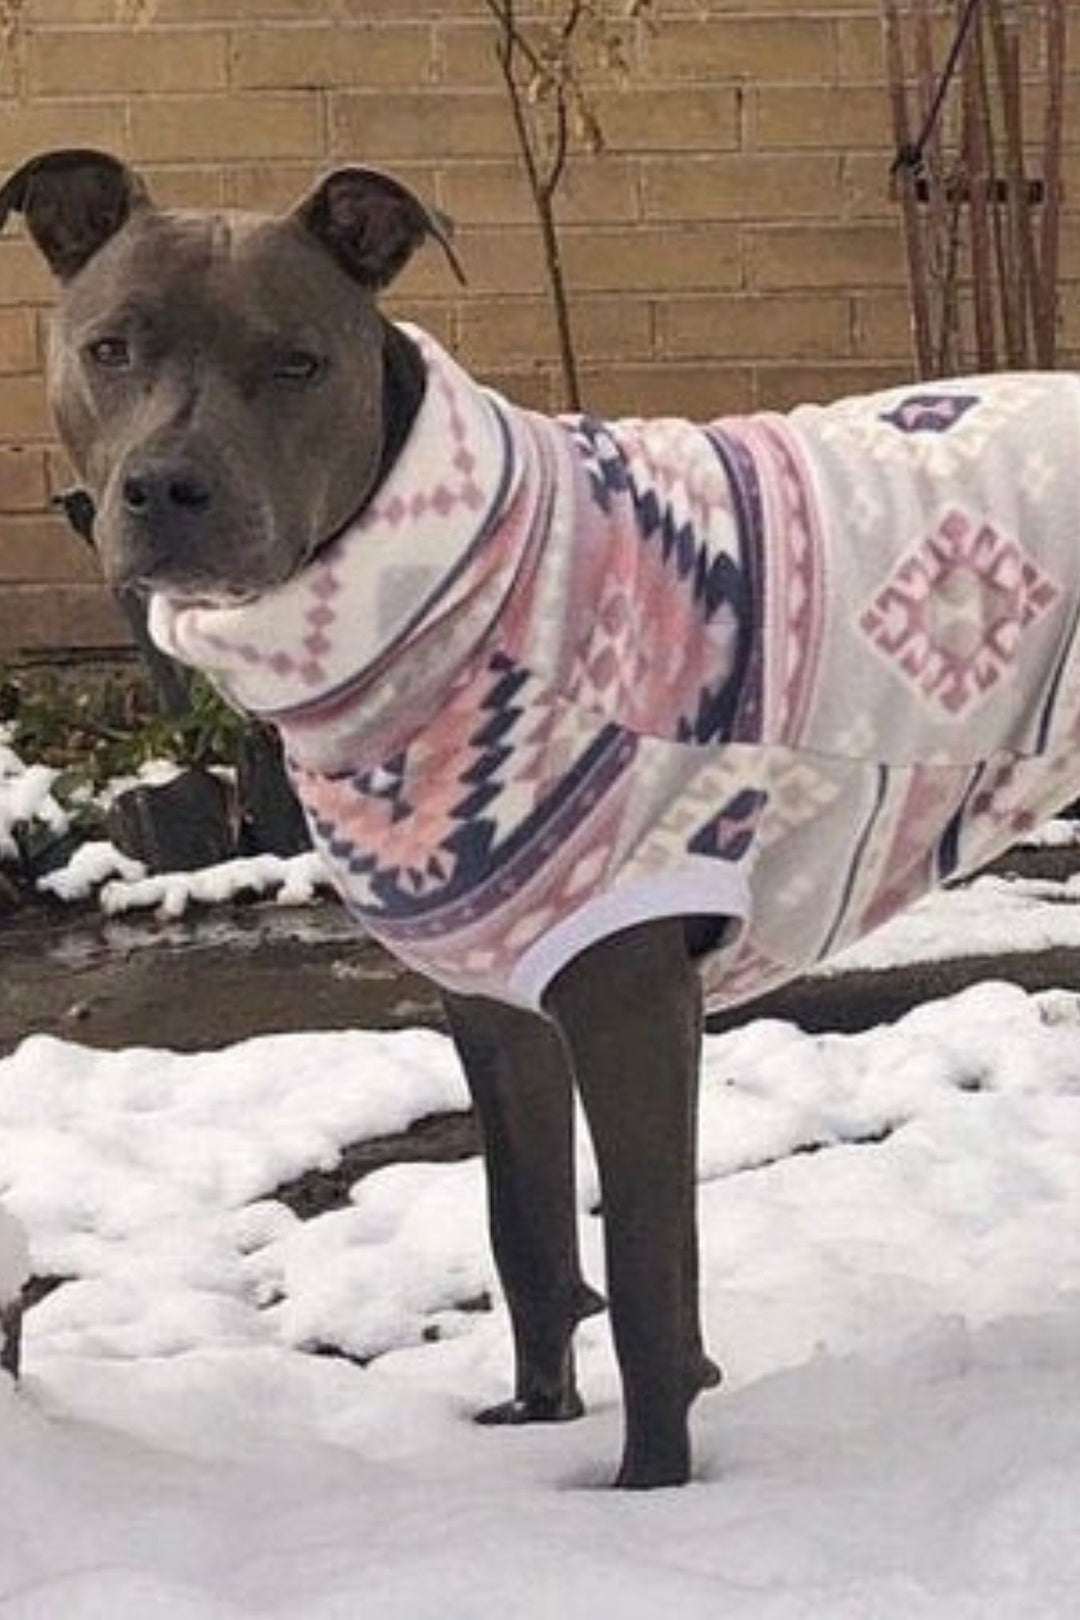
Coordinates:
(325,585)
(281,663)
(953,613)
(614,614)
(604,669)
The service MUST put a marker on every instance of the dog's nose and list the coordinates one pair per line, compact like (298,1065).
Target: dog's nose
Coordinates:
(166,491)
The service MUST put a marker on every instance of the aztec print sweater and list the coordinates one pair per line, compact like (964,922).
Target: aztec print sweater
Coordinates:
(566,675)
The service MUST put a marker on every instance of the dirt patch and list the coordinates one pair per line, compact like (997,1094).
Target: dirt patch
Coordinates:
(437,1139)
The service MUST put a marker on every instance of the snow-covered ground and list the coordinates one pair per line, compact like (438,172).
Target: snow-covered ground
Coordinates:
(897,1311)
(891,1234)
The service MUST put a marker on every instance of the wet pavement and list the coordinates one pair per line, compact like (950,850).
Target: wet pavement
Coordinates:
(203,981)
(222,974)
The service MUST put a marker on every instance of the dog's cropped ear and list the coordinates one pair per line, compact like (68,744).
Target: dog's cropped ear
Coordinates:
(372,224)
(73,202)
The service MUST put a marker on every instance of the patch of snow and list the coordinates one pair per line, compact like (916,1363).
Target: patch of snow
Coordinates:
(14,1257)
(982,918)
(151,773)
(92,864)
(1054,834)
(292,880)
(25,795)
(897,1311)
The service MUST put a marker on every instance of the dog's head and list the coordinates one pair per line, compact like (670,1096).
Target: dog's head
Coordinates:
(218,379)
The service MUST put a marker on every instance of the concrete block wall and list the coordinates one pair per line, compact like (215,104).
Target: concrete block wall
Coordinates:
(734,247)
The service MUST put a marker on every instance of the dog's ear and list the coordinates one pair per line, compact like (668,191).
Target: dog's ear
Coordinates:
(73,202)
(372,224)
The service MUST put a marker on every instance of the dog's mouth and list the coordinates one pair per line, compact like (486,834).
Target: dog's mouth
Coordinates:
(195,583)
(188,590)
(187,595)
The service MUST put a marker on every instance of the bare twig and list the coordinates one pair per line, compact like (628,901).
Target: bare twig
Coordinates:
(543,178)
(549,108)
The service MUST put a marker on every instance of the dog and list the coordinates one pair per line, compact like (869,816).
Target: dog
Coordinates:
(596,723)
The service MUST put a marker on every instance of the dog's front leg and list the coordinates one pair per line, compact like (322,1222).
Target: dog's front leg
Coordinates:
(519,1078)
(630,1012)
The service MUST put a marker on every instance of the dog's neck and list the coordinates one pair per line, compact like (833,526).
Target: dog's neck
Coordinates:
(403,388)
(404,385)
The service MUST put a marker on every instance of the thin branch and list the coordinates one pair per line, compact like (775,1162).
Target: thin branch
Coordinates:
(544,178)
(509,40)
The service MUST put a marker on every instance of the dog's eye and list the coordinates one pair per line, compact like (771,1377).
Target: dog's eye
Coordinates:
(110,352)
(297,366)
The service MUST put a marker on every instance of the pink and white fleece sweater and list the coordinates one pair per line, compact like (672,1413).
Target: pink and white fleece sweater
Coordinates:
(565,675)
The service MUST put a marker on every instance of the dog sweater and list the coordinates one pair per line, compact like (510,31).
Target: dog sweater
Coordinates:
(563,676)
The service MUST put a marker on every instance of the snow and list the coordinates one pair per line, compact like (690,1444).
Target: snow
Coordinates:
(92,864)
(151,773)
(891,1234)
(980,919)
(14,1258)
(25,795)
(891,1255)
(98,868)
(1057,833)
(292,880)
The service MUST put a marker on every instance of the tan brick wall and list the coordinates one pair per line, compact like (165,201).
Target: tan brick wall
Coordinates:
(734,247)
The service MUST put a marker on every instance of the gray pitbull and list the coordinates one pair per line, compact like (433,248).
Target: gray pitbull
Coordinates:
(201,371)
(584,715)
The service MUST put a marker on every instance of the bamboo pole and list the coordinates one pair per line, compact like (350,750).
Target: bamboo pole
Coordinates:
(979,180)
(905,181)
(1018,288)
(944,293)
(978,202)
(1050,242)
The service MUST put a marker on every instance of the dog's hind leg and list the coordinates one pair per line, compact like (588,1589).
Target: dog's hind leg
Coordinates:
(630,1012)
(519,1077)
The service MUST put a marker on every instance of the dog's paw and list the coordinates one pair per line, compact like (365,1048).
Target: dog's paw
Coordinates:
(561,1408)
